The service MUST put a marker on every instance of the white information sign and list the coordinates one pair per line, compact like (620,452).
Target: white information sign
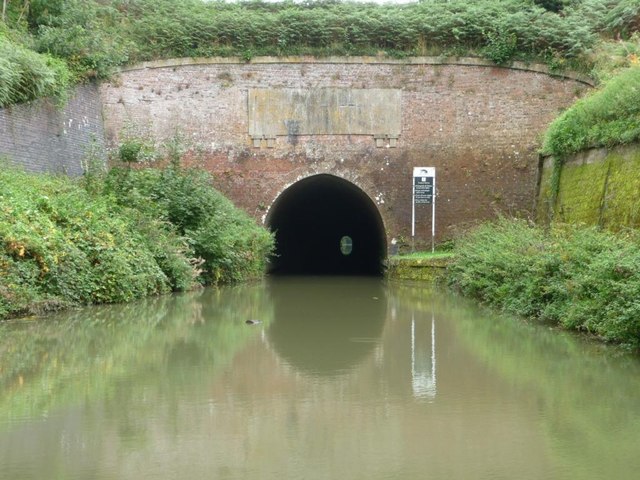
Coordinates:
(424,192)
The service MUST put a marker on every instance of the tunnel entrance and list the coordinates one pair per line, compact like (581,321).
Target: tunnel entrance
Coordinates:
(326,225)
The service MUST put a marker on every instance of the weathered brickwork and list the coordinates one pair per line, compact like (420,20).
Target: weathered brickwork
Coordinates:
(42,137)
(480,126)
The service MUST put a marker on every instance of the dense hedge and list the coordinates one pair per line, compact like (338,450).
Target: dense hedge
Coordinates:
(501,30)
(580,278)
(62,244)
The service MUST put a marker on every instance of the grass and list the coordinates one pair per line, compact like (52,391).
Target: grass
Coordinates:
(609,116)
(424,255)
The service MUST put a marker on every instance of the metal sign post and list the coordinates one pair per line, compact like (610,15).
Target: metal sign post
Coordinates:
(424,192)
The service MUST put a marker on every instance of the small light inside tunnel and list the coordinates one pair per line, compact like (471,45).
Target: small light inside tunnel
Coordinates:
(316,221)
(346,245)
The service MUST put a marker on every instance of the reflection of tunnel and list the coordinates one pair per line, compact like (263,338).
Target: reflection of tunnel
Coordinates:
(325,325)
(326,225)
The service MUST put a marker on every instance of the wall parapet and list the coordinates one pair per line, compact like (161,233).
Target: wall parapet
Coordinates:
(429,269)
(363,60)
(258,126)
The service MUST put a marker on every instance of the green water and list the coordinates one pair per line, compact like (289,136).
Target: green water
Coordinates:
(344,378)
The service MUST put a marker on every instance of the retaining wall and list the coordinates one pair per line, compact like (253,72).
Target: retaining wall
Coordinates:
(43,137)
(597,187)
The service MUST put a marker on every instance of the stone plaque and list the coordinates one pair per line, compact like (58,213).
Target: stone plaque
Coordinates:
(324,111)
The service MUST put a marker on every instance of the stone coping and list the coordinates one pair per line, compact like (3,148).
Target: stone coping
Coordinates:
(593,155)
(429,270)
(359,60)
(426,262)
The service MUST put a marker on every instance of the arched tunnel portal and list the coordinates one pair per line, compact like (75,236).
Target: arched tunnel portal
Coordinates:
(324,224)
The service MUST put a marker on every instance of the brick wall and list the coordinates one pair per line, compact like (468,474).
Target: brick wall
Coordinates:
(479,125)
(42,137)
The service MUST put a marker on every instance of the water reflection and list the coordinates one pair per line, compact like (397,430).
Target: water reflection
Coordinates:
(83,354)
(339,381)
(423,359)
(326,325)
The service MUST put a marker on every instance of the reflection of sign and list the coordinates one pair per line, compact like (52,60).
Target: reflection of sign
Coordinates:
(423,190)
(423,358)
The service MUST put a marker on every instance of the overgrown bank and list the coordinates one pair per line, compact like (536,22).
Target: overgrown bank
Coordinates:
(117,237)
(576,277)
(608,117)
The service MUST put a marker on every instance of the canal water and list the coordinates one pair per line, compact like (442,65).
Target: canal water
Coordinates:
(343,378)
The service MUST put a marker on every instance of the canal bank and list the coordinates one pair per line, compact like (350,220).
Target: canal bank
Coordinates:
(422,266)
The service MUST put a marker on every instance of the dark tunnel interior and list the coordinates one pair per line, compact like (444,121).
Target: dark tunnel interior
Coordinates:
(325,225)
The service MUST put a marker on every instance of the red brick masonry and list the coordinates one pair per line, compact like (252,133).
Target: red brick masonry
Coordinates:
(478,124)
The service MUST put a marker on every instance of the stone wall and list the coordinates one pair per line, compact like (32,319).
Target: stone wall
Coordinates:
(43,137)
(478,124)
(596,187)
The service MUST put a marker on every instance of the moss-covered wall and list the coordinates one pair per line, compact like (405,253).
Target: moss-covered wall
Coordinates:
(597,187)
(430,270)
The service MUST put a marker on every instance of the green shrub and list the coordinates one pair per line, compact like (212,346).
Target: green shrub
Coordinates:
(608,117)
(624,18)
(577,277)
(504,30)
(232,246)
(85,33)
(134,150)
(26,75)
(60,245)
(95,37)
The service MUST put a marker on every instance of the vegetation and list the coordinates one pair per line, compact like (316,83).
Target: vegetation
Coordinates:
(498,29)
(93,37)
(26,75)
(225,238)
(65,244)
(580,278)
(608,117)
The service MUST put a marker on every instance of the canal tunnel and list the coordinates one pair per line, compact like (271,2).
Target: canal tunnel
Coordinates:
(326,225)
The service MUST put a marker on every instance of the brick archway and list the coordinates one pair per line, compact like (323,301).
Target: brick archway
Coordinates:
(326,225)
